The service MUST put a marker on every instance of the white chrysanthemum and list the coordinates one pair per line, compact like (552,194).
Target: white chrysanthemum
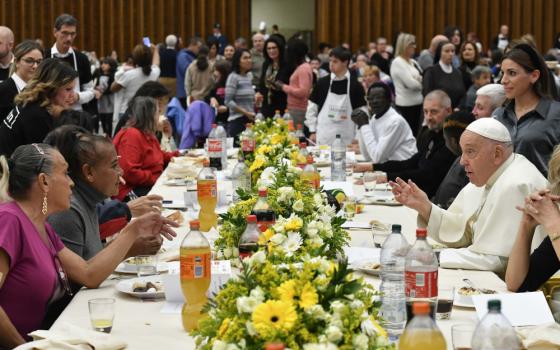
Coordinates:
(285,194)
(250,328)
(278,226)
(247,304)
(298,205)
(292,243)
(356,304)
(337,306)
(368,328)
(257,258)
(360,341)
(228,253)
(294,170)
(318,199)
(258,294)
(316,312)
(267,177)
(320,346)
(316,241)
(219,345)
(333,333)
(277,239)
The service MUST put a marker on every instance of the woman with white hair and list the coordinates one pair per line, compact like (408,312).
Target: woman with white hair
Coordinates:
(407,79)
(488,99)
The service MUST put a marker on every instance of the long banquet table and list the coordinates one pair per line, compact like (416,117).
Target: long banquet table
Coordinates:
(143,326)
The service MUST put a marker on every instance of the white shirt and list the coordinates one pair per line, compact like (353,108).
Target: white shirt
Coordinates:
(496,225)
(20,84)
(407,81)
(131,80)
(387,138)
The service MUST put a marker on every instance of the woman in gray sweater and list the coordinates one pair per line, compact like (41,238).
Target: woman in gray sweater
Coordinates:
(240,94)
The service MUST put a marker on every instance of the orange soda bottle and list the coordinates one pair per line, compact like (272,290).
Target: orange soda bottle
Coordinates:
(195,268)
(207,192)
(422,333)
(310,173)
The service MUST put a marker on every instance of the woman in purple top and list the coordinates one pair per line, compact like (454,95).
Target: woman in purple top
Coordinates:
(34,264)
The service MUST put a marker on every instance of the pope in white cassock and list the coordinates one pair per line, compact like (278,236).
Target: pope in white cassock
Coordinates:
(480,225)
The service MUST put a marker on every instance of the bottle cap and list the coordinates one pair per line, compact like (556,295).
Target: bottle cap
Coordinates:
(214,126)
(263,192)
(396,228)
(286,110)
(248,125)
(194,224)
(421,233)
(252,218)
(494,305)
(274,346)
(420,308)
(299,126)
(337,136)
(277,111)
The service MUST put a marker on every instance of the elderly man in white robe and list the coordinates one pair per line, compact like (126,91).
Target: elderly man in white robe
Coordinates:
(481,223)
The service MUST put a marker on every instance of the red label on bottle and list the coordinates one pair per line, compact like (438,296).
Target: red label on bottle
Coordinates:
(248,145)
(264,225)
(214,145)
(421,284)
(195,266)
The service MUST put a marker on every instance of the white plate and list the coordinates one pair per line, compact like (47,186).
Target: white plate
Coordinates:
(379,201)
(365,266)
(133,269)
(179,182)
(125,286)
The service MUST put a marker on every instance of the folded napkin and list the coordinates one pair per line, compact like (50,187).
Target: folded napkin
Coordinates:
(546,336)
(70,337)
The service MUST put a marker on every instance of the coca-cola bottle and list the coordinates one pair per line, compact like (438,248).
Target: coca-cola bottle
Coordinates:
(215,148)
(265,215)
(421,274)
(249,240)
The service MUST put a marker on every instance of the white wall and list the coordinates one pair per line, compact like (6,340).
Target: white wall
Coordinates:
(290,15)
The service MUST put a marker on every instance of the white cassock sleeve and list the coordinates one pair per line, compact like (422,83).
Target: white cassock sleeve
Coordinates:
(464,258)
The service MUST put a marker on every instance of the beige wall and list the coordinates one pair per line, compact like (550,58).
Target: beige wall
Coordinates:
(290,15)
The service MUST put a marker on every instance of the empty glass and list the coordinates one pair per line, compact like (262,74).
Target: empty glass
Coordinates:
(461,335)
(370,180)
(147,265)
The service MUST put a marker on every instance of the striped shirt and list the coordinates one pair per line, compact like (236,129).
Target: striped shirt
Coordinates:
(239,93)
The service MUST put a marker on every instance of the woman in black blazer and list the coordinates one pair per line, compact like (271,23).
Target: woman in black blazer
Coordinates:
(27,56)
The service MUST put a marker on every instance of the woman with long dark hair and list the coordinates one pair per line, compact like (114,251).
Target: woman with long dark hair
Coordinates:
(274,69)
(217,96)
(105,76)
(469,55)
(240,95)
(198,79)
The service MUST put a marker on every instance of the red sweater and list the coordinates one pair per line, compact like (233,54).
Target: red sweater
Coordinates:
(142,159)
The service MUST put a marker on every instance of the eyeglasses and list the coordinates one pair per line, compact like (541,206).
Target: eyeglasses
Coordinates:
(65,33)
(30,61)
(62,276)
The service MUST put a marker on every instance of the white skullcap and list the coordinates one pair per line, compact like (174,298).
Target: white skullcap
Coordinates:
(490,128)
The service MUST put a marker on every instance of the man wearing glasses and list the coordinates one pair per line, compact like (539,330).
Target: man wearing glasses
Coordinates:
(65,27)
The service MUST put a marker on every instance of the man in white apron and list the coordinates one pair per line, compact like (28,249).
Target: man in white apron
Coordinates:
(332,101)
(65,32)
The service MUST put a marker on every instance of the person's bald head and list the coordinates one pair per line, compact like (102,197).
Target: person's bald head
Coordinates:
(435,42)
(486,145)
(6,42)
(258,42)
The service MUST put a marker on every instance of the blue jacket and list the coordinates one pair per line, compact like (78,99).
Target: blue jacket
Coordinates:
(184,59)
(176,115)
(198,123)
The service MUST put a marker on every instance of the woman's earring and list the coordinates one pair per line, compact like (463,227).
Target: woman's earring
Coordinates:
(45,208)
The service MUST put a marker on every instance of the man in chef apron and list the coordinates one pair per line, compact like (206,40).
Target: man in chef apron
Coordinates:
(65,31)
(332,101)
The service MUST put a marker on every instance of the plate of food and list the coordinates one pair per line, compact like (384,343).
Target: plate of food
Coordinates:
(150,287)
(369,266)
(463,297)
(130,266)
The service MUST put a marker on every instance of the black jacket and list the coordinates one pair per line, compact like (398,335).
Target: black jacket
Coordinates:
(8,92)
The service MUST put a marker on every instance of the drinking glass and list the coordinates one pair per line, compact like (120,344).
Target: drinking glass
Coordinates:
(461,336)
(370,180)
(446,296)
(147,265)
(350,207)
(102,313)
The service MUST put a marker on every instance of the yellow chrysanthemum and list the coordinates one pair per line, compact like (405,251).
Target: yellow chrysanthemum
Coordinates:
(257,164)
(287,291)
(274,315)
(276,139)
(223,327)
(265,236)
(378,329)
(294,224)
(264,149)
(308,297)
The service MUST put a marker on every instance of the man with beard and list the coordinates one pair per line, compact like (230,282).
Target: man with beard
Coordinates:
(6,55)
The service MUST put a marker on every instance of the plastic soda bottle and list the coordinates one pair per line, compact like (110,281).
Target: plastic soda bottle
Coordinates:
(421,274)
(207,193)
(195,274)
(422,332)
(262,210)
(494,331)
(277,114)
(310,173)
(248,140)
(249,240)
(215,148)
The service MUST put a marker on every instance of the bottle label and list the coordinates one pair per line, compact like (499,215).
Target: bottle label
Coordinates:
(195,266)
(214,145)
(421,284)
(248,145)
(207,189)
(264,225)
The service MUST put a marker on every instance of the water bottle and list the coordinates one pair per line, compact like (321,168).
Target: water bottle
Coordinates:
(300,134)
(421,274)
(241,178)
(338,160)
(215,148)
(393,302)
(277,114)
(287,117)
(222,135)
(494,330)
(259,117)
